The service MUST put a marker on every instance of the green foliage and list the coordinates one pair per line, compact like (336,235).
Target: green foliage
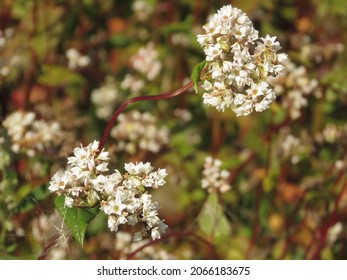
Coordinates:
(76,219)
(286,173)
(196,74)
(212,220)
(53,75)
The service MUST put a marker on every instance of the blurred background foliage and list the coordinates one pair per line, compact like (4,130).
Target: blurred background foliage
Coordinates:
(287,165)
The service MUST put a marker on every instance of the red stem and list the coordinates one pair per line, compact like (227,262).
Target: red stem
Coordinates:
(122,107)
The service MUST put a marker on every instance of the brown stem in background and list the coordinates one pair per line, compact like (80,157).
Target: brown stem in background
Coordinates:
(197,12)
(48,248)
(122,107)
(256,228)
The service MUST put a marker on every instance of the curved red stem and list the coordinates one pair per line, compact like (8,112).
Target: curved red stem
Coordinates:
(122,107)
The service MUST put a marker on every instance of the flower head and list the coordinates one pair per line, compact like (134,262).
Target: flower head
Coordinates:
(30,135)
(122,197)
(215,178)
(240,63)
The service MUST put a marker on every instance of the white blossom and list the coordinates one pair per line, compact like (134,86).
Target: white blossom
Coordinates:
(146,61)
(105,98)
(122,197)
(76,59)
(138,131)
(142,10)
(30,135)
(294,86)
(215,178)
(240,63)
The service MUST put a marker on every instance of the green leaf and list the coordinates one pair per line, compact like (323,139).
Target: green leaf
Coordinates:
(54,75)
(212,221)
(196,74)
(76,219)
(119,41)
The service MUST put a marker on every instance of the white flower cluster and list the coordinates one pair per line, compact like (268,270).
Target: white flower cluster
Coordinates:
(142,10)
(332,134)
(295,87)
(29,134)
(138,131)
(240,63)
(214,179)
(146,63)
(76,59)
(105,98)
(122,197)
(289,146)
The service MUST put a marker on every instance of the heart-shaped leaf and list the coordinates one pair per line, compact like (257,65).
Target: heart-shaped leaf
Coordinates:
(76,219)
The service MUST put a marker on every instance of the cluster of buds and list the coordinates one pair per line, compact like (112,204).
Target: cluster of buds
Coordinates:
(138,131)
(29,134)
(123,197)
(240,63)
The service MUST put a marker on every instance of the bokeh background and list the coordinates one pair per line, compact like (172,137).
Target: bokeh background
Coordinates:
(66,65)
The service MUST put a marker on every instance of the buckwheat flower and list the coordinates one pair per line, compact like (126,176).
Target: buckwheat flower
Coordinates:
(240,63)
(130,204)
(138,131)
(132,83)
(289,145)
(138,169)
(105,98)
(146,61)
(82,182)
(214,178)
(123,198)
(30,135)
(155,179)
(76,59)
(294,87)
(142,10)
